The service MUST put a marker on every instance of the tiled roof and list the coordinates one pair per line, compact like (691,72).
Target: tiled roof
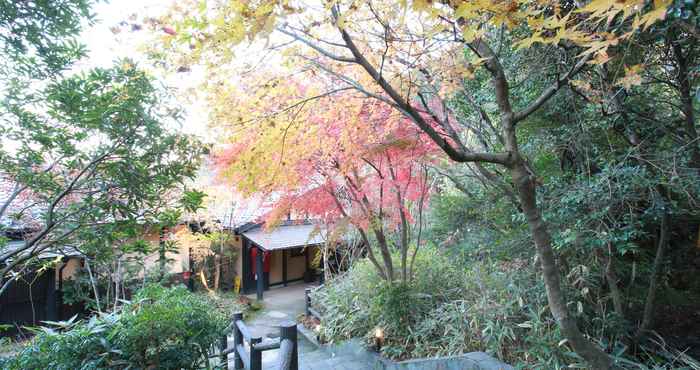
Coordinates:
(53,252)
(286,236)
(23,204)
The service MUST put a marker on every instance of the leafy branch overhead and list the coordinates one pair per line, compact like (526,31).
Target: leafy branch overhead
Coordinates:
(470,77)
(95,163)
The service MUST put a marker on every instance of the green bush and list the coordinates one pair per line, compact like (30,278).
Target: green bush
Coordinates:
(410,314)
(499,307)
(163,328)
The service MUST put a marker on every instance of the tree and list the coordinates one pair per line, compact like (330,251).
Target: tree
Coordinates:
(92,161)
(39,38)
(359,166)
(417,58)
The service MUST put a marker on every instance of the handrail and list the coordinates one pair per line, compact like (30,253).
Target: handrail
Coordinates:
(310,311)
(268,345)
(251,358)
(244,330)
(287,355)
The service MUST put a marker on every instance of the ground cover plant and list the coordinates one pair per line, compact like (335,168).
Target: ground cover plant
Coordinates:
(164,328)
(495,306)
(547,150)
(573,123)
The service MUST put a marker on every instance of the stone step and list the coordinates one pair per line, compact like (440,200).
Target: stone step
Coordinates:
(335,363)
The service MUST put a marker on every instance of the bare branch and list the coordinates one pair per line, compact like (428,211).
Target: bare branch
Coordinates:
(454,153)
(316,47)
(550,91)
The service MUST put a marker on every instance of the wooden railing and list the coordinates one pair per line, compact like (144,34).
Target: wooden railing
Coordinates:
(251,357)
(310,311)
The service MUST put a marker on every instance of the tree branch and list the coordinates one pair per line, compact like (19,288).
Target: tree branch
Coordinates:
(316,47)
(550,91)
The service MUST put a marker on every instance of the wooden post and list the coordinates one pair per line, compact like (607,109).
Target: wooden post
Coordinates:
(307,273)
(284,267)
(237,339)
(223,344)
(255,355)
(161,253)
(260,284)
(288,345)
(307,300)
(51,298)
(190,261)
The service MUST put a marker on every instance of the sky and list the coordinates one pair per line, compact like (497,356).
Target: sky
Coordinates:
(105,47)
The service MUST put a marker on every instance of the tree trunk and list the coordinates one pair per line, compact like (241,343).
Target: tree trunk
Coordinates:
(217,271)
(612,280)
(686,95)
(94,285)
(647,317)
(525,184)
(615,292)
(203,279)
(218,260)
(161,254)
(117,278)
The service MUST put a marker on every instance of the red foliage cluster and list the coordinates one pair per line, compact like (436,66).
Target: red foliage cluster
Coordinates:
(361,162)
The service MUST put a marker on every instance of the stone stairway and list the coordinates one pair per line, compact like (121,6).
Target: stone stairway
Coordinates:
(286,304)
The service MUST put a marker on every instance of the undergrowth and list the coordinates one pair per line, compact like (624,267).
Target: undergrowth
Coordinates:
(499,307)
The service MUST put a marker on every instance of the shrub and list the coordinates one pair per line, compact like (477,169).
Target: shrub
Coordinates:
(164,328)
(496,307)
(357,303)
(167,328)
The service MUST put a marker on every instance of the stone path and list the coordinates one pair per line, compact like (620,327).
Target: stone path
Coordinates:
(287,304)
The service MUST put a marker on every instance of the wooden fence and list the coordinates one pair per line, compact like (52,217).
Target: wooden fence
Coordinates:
(310,311)
(247,350)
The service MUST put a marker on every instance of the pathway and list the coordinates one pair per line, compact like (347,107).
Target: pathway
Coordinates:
(285,304)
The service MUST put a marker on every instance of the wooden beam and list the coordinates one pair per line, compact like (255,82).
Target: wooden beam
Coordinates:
(51,296)
(259,273)
(307,273)
(284,267)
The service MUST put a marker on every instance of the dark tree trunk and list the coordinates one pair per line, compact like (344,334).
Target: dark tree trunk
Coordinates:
(615,293)
(687,108)
(647,317)
(523,179)
(557,302)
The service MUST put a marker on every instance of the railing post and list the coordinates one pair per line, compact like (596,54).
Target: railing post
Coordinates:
(288,337)
(255,355)
(223,344)
(259,274)
(307,300)
(237,339)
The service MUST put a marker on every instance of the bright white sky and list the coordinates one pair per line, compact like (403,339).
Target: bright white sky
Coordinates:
(105,47)
(102,43)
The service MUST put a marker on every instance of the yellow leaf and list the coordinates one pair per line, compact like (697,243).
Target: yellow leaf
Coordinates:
(658,14)
(632,77)
(341,21)
(556,22)
(465,10)
(470,34)
(600,58)
(528,42)
(422,5)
